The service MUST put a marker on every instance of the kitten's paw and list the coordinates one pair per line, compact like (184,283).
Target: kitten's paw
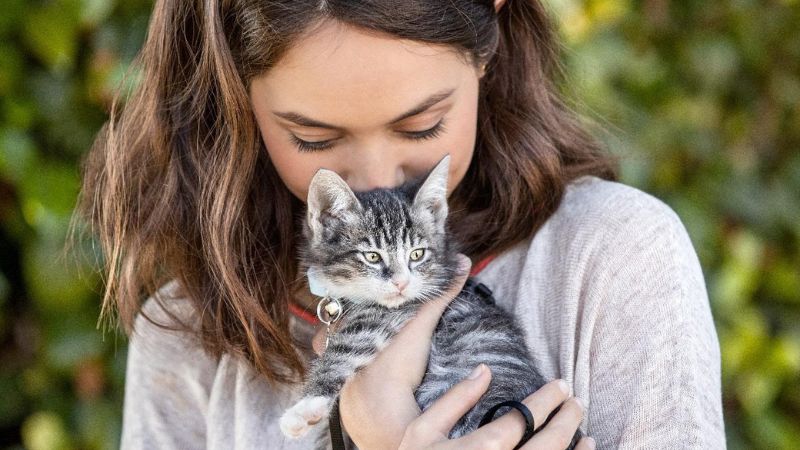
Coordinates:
(306,413)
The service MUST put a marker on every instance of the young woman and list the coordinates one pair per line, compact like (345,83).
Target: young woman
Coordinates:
(196,190)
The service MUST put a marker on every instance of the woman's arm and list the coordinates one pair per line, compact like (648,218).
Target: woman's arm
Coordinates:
(167,383)
(654,358)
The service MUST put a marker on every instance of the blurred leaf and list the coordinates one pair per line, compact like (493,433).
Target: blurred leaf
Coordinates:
(714,60)
(774,431)
(65,351)
(51,32)
(93,12)
(11,67)
(783,281)
(99,424)
(17,154)
(37,381)
(738,277)
(5,288)
(53,188)
(52,281)
(756,390)
(12,11)
(13,407)
(20,112)
(45,431)
(784,357)
(742,342)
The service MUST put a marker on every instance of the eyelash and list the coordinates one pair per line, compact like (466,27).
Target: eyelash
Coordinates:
(431,133)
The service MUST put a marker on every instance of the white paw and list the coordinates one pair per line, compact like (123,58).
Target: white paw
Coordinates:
(306,413)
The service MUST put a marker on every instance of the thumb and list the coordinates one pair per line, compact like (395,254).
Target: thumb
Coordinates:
(443,414)
(435,308)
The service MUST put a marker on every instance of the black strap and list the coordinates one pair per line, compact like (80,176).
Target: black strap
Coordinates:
(335,426)
(526,413)
(479,289)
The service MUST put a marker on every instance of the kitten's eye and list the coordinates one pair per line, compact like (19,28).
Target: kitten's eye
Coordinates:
(372,257)
(416,255)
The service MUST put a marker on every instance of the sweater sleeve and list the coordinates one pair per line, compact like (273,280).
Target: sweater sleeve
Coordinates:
(654,355)
(167,384)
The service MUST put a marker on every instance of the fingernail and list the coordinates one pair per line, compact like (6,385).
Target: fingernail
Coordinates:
(590,442)
(476,372)
(580,403)
(563,386)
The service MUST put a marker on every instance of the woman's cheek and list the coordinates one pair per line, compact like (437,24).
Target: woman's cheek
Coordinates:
(295,168)
(462,147)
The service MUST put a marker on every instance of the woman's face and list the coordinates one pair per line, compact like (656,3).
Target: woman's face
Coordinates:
(377,110)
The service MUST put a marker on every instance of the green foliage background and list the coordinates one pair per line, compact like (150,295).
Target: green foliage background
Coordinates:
(700,97)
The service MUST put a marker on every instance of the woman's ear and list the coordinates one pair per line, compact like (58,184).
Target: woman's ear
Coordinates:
(498,4)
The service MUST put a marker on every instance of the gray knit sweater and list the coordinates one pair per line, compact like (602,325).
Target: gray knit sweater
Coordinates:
(610,293)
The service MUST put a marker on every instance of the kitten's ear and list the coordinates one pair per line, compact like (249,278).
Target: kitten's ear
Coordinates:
(432,195)
(329,197)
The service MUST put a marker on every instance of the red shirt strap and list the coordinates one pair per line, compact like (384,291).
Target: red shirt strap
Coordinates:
(481,265)
(301,313)
(313,320)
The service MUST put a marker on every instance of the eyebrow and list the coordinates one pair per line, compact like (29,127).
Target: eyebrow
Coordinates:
(423,106)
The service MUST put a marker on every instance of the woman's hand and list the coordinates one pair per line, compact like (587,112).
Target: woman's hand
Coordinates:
(429,431)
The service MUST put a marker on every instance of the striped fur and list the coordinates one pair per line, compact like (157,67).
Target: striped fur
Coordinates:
(393,222)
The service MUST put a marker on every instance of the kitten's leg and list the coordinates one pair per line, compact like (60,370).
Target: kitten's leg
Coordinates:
(351,349)
(306,413)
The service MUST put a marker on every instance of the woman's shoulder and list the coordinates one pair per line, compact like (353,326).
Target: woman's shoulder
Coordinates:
(599,226)
(616,222)
(612,224)
(168,306)
(594,203)
(168,378)
(166,325)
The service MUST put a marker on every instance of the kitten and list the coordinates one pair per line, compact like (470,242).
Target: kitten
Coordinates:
(383,253)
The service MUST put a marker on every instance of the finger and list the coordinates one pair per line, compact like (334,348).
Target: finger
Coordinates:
(435,423)
(428,314)
(561,428)
(508,429)
(586,443)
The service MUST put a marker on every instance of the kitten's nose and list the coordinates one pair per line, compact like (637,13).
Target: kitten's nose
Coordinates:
(401,284)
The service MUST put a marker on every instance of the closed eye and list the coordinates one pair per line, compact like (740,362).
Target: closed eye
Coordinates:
(308,146)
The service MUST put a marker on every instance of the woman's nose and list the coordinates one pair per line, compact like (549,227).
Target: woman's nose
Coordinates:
(376,174)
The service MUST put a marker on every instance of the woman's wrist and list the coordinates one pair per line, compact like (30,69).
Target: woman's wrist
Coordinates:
(396,412)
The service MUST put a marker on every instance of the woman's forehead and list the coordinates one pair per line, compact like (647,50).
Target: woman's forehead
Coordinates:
(340,72)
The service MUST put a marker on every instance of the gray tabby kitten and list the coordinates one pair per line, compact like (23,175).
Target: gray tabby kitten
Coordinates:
(383,253)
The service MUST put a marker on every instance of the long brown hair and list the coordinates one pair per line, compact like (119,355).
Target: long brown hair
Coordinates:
(179,186)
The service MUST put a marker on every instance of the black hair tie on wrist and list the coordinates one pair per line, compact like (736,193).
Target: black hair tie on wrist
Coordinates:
(530,430)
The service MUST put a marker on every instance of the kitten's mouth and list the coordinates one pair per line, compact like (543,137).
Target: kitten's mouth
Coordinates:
(395,299)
